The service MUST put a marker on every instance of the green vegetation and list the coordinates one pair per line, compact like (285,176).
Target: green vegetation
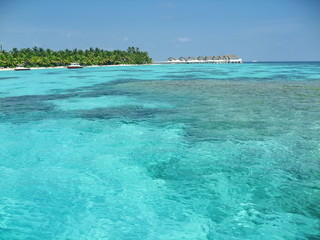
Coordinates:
(39,57)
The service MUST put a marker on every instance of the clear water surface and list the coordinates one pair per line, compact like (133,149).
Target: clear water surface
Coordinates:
(161,152)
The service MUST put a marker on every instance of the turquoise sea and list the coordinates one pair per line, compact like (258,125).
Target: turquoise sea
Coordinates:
(161,152)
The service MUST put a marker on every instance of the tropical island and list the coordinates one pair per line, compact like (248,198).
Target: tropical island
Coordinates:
(39,57)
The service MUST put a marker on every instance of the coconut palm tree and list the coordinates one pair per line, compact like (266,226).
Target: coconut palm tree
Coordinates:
(39,57)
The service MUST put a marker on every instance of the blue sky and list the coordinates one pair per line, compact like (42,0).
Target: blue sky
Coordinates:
(263,30)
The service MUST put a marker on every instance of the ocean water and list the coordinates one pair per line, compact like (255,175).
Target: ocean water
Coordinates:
(168,152)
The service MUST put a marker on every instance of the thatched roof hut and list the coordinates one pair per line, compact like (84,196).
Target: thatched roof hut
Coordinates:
(183,59)
(172,59)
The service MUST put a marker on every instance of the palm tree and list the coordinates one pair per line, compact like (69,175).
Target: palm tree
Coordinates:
(37,57)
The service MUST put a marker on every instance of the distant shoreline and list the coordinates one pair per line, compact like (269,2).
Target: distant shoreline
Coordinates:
(60,67)
(154,63)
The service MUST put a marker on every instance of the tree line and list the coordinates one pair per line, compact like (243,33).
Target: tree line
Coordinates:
(39,57)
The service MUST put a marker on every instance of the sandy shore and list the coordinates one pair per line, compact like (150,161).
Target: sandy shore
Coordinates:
(32,68)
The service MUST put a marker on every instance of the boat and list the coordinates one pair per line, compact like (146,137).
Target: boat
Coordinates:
(74,65)
(21,68)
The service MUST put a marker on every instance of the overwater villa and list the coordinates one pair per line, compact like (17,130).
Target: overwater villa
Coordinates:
(207,59)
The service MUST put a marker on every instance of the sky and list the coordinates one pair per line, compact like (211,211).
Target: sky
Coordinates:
(262,30)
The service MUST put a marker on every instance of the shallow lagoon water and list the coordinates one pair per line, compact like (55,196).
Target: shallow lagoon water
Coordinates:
(161,152)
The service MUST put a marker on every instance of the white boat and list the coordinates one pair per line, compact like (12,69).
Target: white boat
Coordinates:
(21,68)
(74,65)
